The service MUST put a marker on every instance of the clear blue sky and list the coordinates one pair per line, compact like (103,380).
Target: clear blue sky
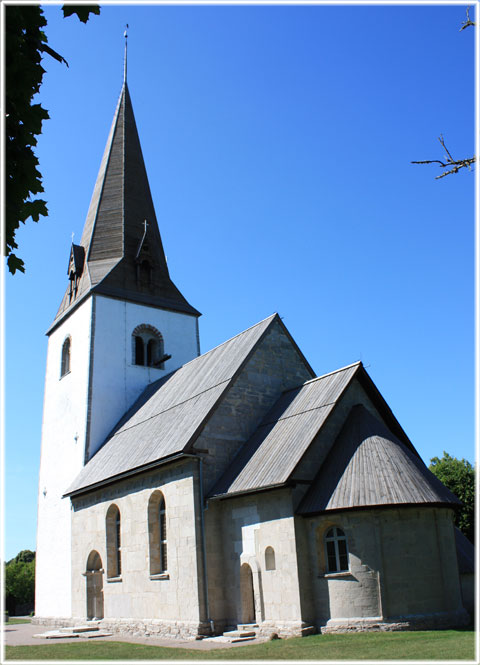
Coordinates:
(278,143)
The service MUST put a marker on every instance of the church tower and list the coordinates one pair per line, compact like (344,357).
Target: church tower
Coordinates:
(121,325)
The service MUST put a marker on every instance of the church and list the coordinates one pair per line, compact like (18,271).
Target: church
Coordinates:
(186,495)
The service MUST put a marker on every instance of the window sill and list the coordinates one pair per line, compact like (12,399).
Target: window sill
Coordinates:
(114,579)
(160,576)
(343,573)
(65,374)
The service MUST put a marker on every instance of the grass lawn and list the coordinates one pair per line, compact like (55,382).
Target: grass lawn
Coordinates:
(417,645)
(12,621)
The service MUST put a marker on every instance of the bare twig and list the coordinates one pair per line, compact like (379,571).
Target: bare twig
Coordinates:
(468,22)
(453,165)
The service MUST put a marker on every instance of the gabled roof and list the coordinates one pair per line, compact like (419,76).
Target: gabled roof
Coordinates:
(115,227)
(369,466)
(170,414)
(272,453)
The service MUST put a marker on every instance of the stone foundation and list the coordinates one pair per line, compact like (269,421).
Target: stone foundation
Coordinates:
(180,630)
(285,629)
(414,622)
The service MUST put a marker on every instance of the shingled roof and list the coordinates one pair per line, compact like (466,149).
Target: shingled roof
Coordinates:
(115,240)
(272,453)
(170,414)
(369,466)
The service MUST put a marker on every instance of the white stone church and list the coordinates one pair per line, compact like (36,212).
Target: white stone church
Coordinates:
(184,494)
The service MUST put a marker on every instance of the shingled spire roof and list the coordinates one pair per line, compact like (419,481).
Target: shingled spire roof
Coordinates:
(124,256)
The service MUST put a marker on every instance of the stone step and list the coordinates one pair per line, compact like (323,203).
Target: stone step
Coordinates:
(247,626)
(241,639)
(97,633)
(235,634)
(80,629)
(55,635)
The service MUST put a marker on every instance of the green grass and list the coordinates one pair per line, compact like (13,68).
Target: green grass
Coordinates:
(12,621)
(418,645)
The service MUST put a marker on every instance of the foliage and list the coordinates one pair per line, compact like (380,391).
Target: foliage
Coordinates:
(25,556)
(459,477)
(430,645)
(25,42)
(20,581)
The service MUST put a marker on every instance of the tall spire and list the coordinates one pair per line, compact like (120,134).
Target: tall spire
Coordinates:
(121,243)
(125,58)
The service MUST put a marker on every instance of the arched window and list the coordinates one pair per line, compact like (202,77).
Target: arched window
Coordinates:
(114,543)
(65,362)
(147,344)
(157,533)
(336,550)
(269,558)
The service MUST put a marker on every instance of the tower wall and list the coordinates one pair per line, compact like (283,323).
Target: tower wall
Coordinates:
(62,455)
(116,381)
(80,410)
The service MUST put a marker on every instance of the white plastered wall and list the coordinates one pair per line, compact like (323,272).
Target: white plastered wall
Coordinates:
(80,410)
(116,381)
(62,454)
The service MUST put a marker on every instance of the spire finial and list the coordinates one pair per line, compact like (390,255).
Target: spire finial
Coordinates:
(125,61)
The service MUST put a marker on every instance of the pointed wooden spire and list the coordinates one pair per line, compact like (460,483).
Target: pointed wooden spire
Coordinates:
(125,257)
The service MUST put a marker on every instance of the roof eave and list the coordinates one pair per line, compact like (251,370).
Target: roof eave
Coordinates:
(382,506)
(175,457)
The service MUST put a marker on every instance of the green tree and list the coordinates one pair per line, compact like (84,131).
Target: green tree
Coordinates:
(459,477)
(25,556)
(20,580)
(25,44)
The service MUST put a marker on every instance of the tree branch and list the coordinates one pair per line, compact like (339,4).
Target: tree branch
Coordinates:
(467,22)
(453,165)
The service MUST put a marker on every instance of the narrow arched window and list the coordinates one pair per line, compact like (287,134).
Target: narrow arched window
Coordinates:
(114,543)
(269,558)
(65,361)
(157,533)
(336,550)
(139,351)
(148,347)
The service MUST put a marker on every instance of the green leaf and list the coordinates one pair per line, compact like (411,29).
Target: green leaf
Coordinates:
(14,264)
(82,11)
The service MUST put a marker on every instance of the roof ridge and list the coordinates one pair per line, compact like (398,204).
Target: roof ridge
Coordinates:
(323,376)
(173,406)
(335,371)
(272,316)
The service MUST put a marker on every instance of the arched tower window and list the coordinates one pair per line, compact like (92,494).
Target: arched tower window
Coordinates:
(147,346)
(336,550)
(157,533)
(65,361)
(269,558)
(114,543)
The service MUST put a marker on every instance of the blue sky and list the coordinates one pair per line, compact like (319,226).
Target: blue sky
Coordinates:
(278,142)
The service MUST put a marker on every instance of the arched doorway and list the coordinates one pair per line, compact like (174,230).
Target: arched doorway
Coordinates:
(246,594)
(94,576)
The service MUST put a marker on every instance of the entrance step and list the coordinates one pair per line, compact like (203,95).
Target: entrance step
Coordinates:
(75,631)
(247,626)
(80,629)
(240,633)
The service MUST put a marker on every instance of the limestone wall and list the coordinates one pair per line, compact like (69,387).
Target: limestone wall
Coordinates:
(173,599)
(250,525)
(274,366)
(402,568)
